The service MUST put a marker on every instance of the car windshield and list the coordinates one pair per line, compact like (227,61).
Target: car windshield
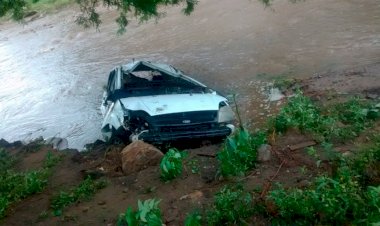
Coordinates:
(153,82)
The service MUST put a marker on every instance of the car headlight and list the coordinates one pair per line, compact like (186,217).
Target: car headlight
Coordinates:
(225,113)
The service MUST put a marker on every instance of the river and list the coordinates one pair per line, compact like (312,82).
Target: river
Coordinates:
(52,71)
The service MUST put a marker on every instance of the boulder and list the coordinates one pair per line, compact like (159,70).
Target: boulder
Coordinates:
(138,156)
(264,153)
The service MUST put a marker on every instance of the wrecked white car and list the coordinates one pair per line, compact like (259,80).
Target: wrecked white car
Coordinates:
(157,103)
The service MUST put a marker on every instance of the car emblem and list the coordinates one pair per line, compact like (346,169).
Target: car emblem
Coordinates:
(186,121)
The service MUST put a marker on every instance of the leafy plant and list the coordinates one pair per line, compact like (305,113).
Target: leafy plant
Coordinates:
(51,160)
(301,113)
(6,160)
(331,200)
(366,162)
(84,191)
(193,219)
(373,198)
(15,186)
(194,165)
(239,152)
(171,164)
(232,205)
(340,121)
(147,214)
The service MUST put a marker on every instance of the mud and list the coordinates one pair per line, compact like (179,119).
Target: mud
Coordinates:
(53,71)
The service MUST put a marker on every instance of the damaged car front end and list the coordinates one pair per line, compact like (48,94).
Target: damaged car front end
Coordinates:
(158,103)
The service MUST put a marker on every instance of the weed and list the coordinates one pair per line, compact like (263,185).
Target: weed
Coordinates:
(340,121)
(43,215)
(84,191)
(171,164)
(338,200)
(299,113)
(35,145)
(149,189)
(194,165)
(239,152)
(284,84)
(6,160)
(193,219)
(373,199)
(313,153)
(232,205)
(148,214)
(16,186)
(3,205)
(51,160)
(366,163)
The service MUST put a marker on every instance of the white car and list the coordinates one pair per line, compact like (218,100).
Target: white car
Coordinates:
(157,103)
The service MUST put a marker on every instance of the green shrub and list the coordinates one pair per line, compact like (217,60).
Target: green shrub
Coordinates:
(84,191)
(193,219)
(232,205)
(147,214)
(171,164)
(6,160)
(373,199)
(15,186)
(366,163)
(300,112)
(340,121)
(239,152)
(336,201)
(51,160)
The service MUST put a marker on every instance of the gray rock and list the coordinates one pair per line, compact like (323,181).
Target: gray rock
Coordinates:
(58,143)
(372,96)
(264,153)
(275,95)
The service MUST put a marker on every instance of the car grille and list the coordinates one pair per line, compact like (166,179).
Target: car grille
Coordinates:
(188,128)
(185,118)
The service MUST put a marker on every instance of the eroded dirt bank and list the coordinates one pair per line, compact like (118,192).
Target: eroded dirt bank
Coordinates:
(52,71)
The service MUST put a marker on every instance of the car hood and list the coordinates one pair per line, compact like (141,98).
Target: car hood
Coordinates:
(167,104)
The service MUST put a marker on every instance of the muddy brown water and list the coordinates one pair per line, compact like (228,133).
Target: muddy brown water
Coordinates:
(52,71)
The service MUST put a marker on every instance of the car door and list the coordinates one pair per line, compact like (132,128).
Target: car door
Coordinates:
(113,113)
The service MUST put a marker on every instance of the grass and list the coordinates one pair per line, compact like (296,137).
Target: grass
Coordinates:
(15,186)
(6,160)
(232,205)
(84,191)
(339,122)
(193,219)
(338,199)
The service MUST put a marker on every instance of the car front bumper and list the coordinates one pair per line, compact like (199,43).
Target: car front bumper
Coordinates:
(170,136)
